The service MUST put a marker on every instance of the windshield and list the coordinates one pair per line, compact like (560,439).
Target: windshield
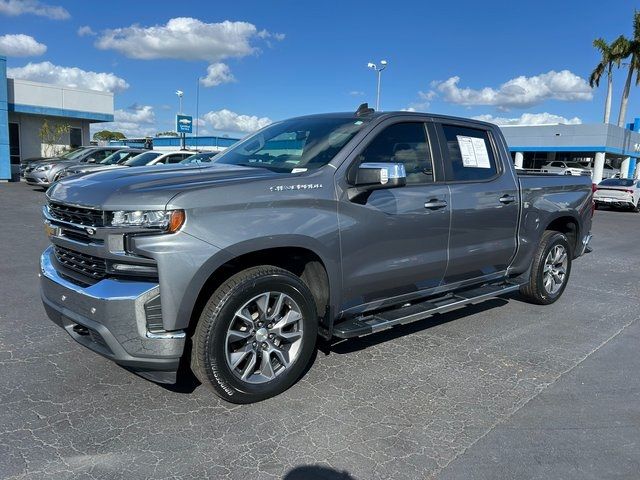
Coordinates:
(141,159)
(617,182)
(73,153)
(200,158)
(295,145)
(116,157)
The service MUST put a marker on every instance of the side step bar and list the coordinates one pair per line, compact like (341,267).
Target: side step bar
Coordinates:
(364,325)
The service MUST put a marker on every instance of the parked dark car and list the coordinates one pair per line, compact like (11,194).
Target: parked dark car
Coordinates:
(114,160)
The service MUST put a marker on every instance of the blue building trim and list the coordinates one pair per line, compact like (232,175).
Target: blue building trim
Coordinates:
(58,112)
(5,158)
(589,148)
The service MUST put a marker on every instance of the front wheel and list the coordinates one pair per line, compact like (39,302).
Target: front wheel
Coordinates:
(550,269)
(255,335)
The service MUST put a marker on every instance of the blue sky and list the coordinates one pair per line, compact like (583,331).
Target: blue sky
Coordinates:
(278,59)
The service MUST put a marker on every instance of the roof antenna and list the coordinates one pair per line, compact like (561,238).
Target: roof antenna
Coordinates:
(363,110)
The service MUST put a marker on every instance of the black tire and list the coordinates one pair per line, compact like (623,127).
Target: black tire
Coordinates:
(636,209)
(209,354)
(534,291)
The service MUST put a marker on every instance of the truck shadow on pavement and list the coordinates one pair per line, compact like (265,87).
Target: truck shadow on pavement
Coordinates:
(345,346)
(316,472)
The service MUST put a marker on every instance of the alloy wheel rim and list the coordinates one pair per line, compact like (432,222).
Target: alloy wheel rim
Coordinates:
(264,337)
(555,269)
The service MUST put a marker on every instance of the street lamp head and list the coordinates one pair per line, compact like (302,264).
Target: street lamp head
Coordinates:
(180,93)
(371,65)
(383,63)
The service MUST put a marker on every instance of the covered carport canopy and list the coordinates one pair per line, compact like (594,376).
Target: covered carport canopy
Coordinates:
(535,145)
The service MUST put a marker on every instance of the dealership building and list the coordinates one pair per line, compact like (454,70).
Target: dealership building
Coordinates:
(602,147)
(24,107)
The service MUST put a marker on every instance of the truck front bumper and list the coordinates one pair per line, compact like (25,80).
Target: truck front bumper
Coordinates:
(109,318)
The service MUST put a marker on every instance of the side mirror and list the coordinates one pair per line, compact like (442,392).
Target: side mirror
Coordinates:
(91,160)
(374,176)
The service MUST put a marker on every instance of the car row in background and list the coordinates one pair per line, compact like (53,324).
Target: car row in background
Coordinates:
(618,192)
(44,172)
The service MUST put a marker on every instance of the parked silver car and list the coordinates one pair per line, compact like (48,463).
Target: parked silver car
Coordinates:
(45,172)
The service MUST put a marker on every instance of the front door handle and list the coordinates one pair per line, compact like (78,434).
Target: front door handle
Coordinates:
(435,204)
(506,199)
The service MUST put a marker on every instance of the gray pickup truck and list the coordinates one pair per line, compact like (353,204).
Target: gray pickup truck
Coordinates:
(332,225)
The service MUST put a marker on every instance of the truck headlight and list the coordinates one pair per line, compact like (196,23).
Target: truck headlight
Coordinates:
(168,221)
(43,168)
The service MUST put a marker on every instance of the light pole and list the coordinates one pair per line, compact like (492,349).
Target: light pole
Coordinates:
(373,66)
(180,94)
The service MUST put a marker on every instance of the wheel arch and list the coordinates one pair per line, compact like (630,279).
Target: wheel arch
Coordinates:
(569,225)
(310,264)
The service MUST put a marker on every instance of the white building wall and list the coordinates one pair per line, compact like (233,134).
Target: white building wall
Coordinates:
(29,128)
(44,95)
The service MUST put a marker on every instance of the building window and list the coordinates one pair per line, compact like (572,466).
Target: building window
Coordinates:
(75,137)
(14,143)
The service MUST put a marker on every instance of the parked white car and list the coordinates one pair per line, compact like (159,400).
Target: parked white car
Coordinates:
(607,171)
(618,192)
(566,168)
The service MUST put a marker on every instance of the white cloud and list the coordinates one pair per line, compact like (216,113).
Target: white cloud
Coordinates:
(530,119)
(519,92)
(86,31)
(135,121)
(356,93)
(136,113)
(21,46)
(69,76)
(424,103)
(217,74)
(184,38)
(228,121)
(19,7)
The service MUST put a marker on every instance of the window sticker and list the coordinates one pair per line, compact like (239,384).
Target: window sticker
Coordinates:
(474,152)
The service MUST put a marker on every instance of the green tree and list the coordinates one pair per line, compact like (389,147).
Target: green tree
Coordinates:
(611,55)
(106,135)
(51,136)
(631,50)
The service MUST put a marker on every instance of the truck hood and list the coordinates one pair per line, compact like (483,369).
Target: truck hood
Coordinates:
(137,188)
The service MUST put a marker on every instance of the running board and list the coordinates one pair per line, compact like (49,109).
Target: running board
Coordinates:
(364,325)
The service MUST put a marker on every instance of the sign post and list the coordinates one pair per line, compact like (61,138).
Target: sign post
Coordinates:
(184,125)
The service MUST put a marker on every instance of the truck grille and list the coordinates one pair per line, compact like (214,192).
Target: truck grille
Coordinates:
(92,267)
(78,215)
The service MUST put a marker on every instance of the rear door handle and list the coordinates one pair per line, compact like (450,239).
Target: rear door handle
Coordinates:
(435,204)
(507,199)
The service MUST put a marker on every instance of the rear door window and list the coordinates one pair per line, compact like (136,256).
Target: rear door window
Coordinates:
(469,154)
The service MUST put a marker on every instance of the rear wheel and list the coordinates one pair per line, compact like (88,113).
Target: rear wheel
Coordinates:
(637,207)
(256,335)
(550,269)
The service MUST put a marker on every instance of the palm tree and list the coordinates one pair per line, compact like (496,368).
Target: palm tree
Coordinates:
(630,48)
(611,55)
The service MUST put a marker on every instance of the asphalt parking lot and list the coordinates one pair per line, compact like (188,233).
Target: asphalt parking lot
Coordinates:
(499,390)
